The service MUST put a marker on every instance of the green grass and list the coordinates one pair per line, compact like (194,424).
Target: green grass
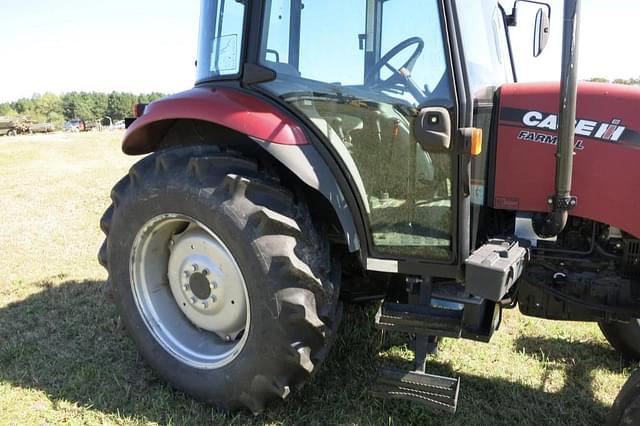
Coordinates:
(62,360)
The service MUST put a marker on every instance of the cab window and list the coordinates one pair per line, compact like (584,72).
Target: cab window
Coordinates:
(221,39)
(360,80)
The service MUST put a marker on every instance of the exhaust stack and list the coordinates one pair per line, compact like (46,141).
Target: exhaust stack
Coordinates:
(553,223)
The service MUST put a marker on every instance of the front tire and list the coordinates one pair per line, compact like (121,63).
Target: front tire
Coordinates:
(262,252)
(626,408)
(624,337)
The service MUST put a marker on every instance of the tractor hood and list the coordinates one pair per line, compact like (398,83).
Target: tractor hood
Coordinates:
(606,173)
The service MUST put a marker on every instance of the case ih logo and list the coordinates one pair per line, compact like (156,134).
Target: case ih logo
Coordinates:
(592,129)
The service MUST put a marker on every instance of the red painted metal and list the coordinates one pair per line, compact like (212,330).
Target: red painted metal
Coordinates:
(227,107)
(606,176)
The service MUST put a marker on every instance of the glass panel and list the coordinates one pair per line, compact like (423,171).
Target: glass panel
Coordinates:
(329,49)
(367,113)
(277,51)
(430,65)
(485,46)
(221,35)
(484,40)
(323,47)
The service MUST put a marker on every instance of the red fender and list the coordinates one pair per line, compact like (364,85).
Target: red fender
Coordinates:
(227,107)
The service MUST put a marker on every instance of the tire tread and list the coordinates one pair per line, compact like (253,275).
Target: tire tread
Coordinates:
(295,257)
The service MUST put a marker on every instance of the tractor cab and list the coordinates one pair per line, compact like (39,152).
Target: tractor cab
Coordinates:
(379,86)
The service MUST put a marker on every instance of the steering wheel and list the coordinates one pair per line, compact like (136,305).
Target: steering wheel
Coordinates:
(399,76)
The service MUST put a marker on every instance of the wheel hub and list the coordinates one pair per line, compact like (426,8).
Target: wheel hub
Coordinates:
(200,286)
(205,286)
(201,316)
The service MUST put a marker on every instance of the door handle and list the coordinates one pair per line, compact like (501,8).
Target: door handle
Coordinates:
(432,129)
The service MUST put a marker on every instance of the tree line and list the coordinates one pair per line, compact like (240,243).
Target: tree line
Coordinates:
(88,106)
(627,81)
(96,106)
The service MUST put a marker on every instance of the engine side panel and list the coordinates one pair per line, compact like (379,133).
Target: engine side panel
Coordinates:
(606,172)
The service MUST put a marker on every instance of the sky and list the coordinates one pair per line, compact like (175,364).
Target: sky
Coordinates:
(123,45)
(150,45)
(609,35)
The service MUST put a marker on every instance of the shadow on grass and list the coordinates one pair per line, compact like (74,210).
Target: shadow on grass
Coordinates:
(63,342)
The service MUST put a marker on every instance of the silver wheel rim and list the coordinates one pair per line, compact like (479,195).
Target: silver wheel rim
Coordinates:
(189,291)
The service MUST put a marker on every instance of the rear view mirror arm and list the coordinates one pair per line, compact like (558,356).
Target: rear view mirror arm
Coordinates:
(512,20)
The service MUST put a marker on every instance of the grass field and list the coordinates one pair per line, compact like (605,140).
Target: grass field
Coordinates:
(62,361)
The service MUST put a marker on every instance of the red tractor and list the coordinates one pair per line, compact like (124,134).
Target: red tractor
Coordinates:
(389,154)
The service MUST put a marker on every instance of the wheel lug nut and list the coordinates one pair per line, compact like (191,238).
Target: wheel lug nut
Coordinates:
(186,287)
(186,274)
(195,267)
(213,298)
(205,272)
(205,304)
(213,285)
(193,300)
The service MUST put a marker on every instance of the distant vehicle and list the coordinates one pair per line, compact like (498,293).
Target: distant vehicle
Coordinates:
(12,126)
(119,124)
(75,125)
(42,128)
(93,126)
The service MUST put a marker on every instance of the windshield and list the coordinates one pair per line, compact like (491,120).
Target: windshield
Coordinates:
(486,50)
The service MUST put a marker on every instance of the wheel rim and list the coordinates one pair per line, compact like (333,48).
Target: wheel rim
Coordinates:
(189,291)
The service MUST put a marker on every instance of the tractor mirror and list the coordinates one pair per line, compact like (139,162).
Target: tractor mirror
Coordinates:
(541,32)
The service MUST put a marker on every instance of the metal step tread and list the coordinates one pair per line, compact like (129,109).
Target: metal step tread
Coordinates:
(419,319)
(434,391)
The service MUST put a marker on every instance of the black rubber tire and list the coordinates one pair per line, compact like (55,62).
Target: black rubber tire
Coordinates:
(625,338)
(293,294)
(626,408)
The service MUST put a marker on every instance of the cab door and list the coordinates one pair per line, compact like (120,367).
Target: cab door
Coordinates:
(366,75)
(412,207)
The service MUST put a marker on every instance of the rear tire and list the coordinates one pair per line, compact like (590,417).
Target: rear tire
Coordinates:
(626,408)
(284,262)
(625,338)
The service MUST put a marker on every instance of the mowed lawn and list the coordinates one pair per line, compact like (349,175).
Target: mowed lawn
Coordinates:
(63,361)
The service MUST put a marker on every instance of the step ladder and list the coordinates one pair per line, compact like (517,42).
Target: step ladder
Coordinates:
(428,323)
